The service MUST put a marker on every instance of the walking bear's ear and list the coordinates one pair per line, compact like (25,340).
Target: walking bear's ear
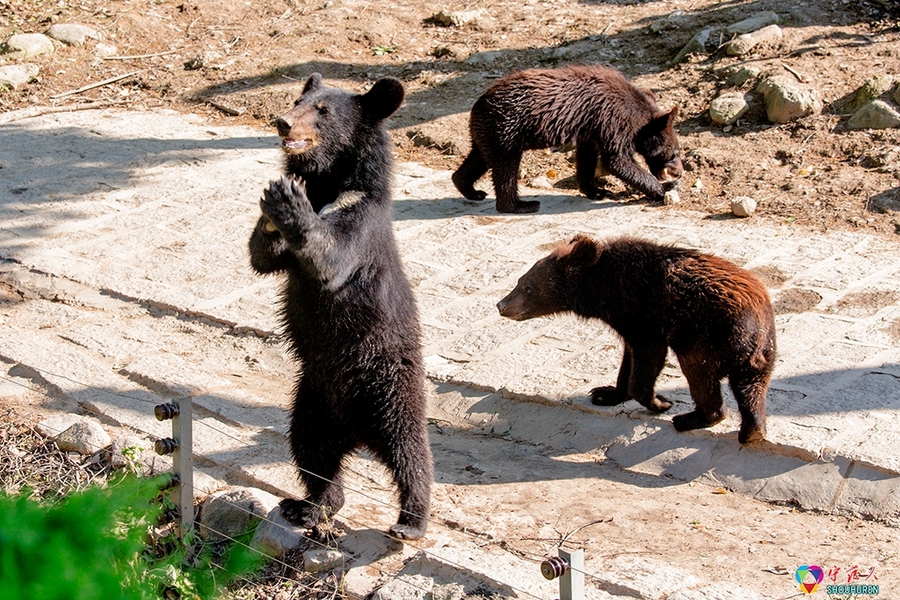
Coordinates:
(581,251)
(383,99)
(313,83)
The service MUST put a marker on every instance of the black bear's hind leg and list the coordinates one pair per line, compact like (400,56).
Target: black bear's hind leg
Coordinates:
(403,447)
(470,171)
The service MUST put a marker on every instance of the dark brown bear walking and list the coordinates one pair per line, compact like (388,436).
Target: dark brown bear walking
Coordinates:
(349,313)
(715,316)
(594,107)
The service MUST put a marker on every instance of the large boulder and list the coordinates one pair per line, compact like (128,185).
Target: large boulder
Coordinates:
(787,100)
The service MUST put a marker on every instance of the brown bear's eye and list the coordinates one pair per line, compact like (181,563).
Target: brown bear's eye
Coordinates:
(323,110)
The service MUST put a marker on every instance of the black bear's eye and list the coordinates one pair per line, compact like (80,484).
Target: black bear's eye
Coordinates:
(529,290)
(323,109)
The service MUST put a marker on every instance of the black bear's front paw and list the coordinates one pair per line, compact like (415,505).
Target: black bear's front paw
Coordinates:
(285,205)
(607,396)
(301,513)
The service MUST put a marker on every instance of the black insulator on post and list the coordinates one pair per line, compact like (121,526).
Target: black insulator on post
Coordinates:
(165,446)
(554,567)
(165,411)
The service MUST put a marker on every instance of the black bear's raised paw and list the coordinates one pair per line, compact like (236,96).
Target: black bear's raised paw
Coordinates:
(285,205)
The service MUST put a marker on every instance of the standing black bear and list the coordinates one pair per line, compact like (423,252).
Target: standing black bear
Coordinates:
(594,107)
(348,310)
(715,316)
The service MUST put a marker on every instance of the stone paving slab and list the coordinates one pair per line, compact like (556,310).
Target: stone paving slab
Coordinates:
(157,208)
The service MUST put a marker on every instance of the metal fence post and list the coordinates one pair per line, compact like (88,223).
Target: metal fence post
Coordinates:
(568,567)
(180,446)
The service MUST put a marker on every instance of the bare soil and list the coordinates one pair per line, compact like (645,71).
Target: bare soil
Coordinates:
(246,62)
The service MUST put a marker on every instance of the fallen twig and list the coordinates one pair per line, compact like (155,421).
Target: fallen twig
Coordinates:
(799,77)
(96,85)
(135,56)
(37,111)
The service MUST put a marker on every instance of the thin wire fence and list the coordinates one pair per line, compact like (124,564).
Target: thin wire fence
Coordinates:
(424,551)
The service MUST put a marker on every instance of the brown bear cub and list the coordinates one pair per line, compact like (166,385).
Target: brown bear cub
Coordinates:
(715,316)
(594,107)
(348,309)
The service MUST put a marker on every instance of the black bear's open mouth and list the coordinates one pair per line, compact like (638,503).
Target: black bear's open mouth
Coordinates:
(295,146)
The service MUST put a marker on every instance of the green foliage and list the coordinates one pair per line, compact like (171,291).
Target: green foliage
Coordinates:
(94,545)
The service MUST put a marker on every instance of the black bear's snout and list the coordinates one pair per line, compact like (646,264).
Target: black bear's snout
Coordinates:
(284,126)
(501,306)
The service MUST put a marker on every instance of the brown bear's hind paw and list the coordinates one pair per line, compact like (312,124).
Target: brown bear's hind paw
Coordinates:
(606,396)
(753,433)
(697,420)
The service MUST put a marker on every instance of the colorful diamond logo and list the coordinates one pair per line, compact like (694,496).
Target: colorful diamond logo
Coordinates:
(809,577)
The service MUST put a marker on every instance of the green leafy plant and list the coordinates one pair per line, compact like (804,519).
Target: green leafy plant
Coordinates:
(94,544)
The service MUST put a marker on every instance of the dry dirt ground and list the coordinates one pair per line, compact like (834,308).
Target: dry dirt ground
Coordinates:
(244,62)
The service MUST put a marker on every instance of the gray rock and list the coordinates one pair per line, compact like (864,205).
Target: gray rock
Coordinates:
(52,427)
(71,33)
(897,95)
(205,484)
(105,50)
(482,58)
(29,44)
(83,437)
(697,44)
(729,107)
(875,115)
(754,23)
(742,44)
(743,206)
(234,512)
(129,450)
(787,100)
(405,587)
(274,536)
(15,76)
(674,20)
(322,559)
(743,75)
(870,90)
(671,197)
(541,182)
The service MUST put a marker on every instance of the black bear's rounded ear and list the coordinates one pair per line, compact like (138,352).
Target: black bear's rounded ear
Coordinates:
(313,83)
(384,98)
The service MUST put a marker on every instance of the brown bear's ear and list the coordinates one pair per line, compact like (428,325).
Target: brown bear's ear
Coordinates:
(673,114)
(313,83)
(662,121)
(583,251)
(384,98)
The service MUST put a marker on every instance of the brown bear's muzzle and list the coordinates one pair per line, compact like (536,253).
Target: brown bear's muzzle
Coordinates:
(671,170)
